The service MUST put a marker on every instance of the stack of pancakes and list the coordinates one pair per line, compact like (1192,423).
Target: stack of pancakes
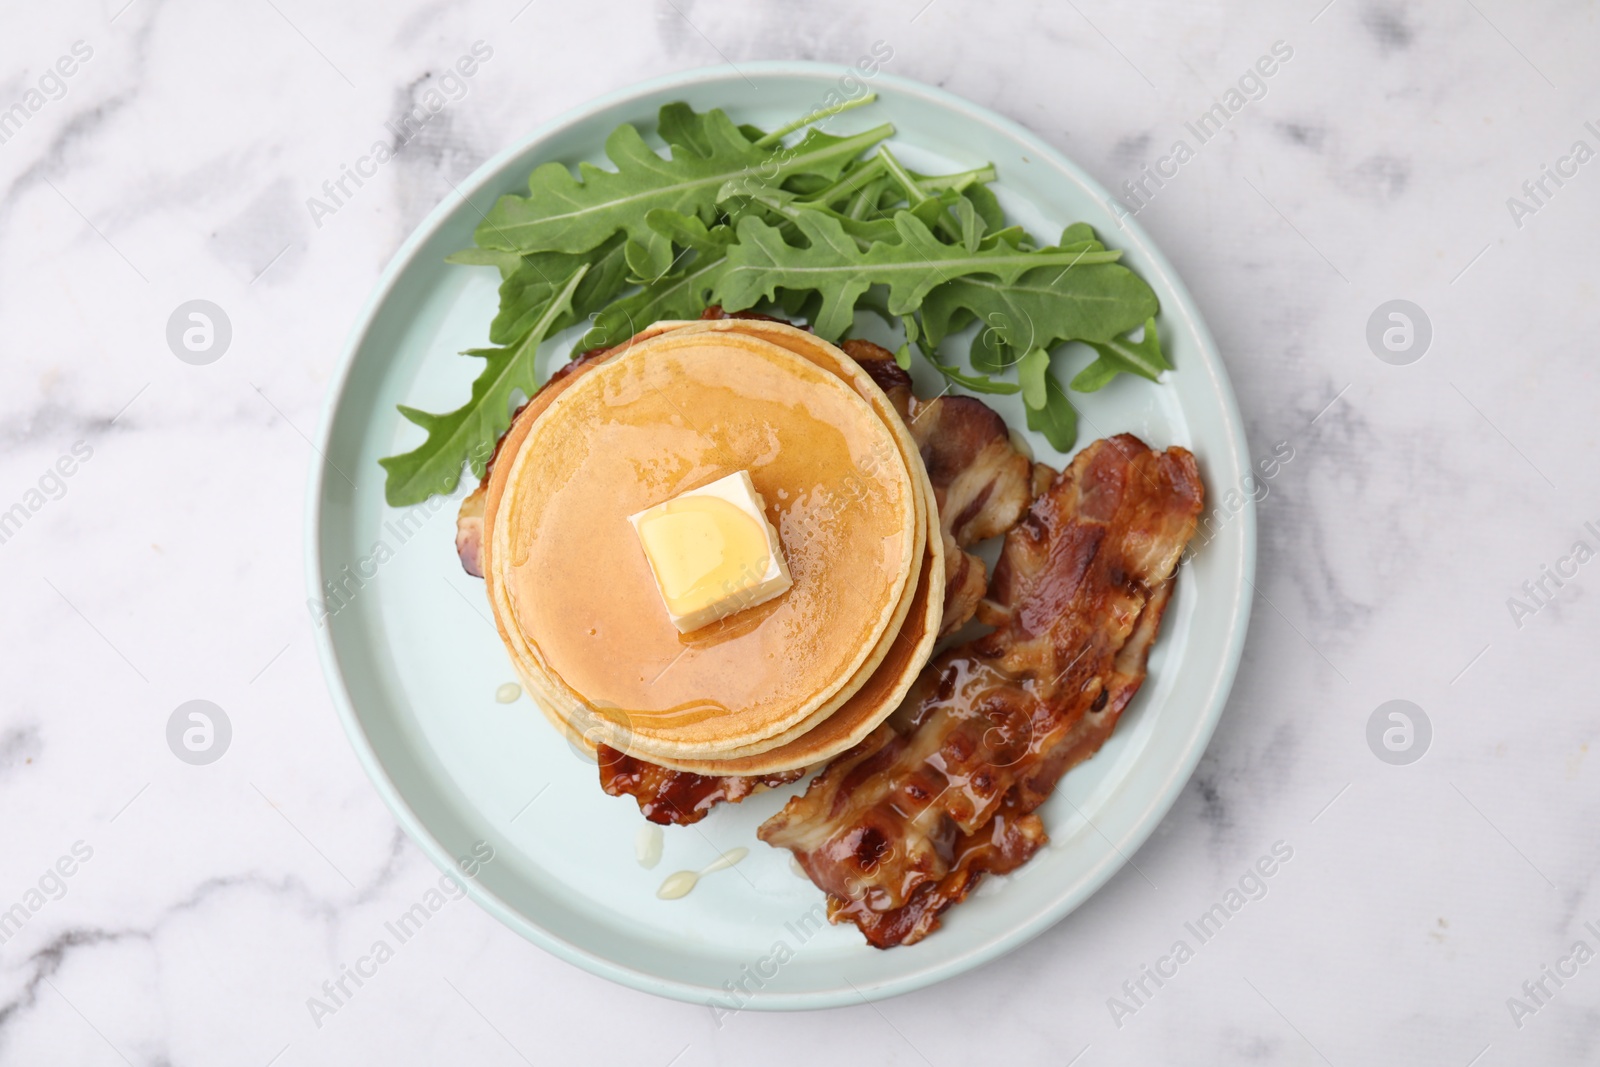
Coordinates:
(782,685)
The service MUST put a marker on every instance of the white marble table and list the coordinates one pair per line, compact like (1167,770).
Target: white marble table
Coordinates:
(205,905)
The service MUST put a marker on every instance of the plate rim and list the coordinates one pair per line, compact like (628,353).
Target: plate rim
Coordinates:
(1071,897)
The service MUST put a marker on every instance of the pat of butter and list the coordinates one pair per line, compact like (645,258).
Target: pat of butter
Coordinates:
(712,552)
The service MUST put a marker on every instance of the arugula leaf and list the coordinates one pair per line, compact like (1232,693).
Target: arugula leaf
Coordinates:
(505,262)
(1057,419)
(912,327)
(1015,236)
(983,200)
(1087,299)
(688,231)
(468,433)
(681,296)
(978,383)
(969,223)
(782,204)
(1122,356)
(1032,372)
(1078,234)
(833,264)
(682,127)
(648,260)
(817,157)
(563,213)
(526,293)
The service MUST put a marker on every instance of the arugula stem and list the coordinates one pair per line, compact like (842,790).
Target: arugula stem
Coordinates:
(816,116)
(917,196)
(874,168)
(787,211)
(867,199)
(791,212)
(933,183)
(914,192)
(849,183)
(978,383)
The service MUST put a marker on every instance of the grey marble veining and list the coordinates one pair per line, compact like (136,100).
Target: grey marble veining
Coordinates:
(1384,160)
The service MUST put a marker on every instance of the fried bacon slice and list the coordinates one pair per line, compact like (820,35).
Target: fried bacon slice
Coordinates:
(905,824)
(678,798)
(983,483)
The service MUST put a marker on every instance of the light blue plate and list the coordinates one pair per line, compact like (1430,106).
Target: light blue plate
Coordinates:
(414,662)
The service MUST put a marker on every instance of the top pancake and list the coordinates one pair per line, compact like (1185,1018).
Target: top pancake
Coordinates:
(665,417)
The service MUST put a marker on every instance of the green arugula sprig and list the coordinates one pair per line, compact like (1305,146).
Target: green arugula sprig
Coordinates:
(469,432)
(815,230)
(833,264)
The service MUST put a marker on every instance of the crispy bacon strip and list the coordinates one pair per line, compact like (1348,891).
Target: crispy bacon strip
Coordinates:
(905,824)
(981,481)
(677,798)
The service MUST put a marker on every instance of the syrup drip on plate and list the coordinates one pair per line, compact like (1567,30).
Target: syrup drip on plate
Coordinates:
(680,883)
